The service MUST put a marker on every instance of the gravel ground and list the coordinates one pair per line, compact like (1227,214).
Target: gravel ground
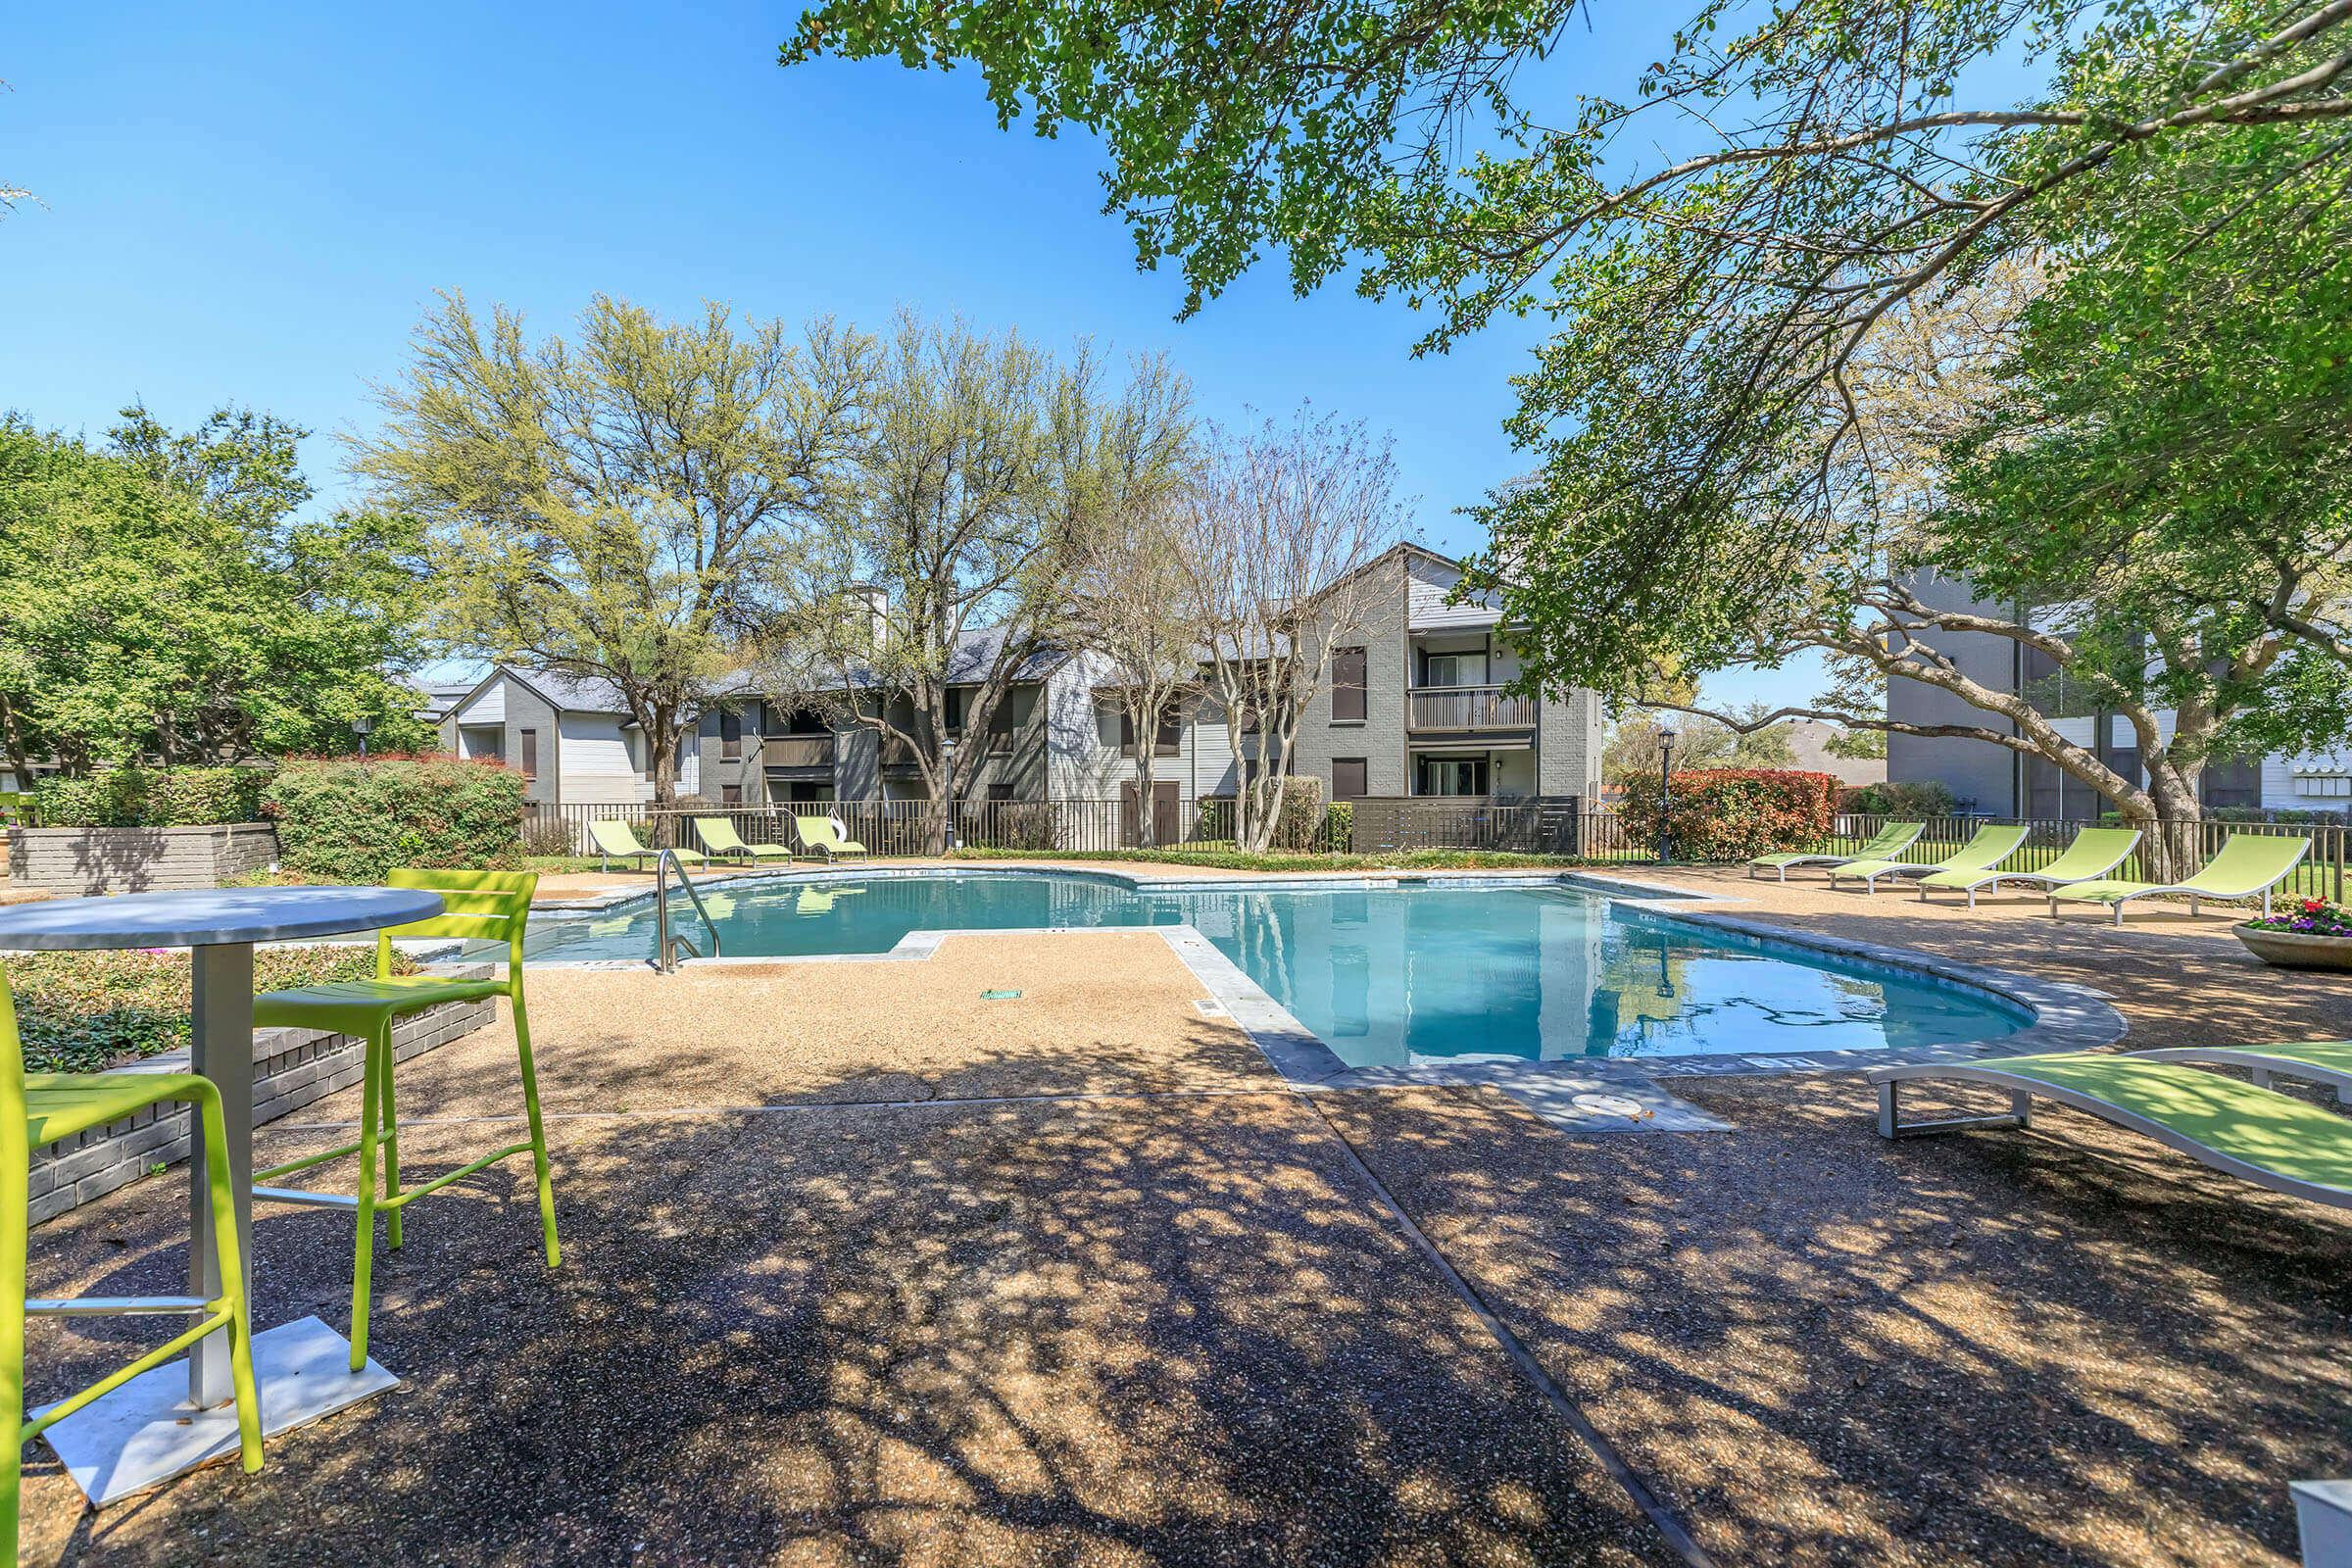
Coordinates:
(1166,1332)
(2065,1346)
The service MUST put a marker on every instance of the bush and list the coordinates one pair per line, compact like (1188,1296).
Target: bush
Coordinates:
(1007,824)
(1298,820)
(139,796)
(1929,798)
(342,819)
(1729,813)
(1339,826)
(545,836)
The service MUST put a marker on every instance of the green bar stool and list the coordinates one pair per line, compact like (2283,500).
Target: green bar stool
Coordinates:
(38,1109)
(487,905)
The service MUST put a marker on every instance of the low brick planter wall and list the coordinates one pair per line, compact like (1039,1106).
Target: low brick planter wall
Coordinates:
(291,1068)
(139,860)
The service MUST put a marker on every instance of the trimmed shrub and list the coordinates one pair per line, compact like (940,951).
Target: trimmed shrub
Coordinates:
(1729,813)
(1339,826)
(1927,799)
(346,820)
(1299,822)
(139,796)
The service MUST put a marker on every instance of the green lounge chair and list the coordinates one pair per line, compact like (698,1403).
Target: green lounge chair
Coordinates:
(2095,852)
(720,837)
(2281,1143)
(616,840)
(1988,848)
(2248,866)
(827,836)
(2319,1062)
(1889,840)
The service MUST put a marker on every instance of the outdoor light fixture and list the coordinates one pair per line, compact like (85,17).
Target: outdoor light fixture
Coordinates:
(947,752)
(362,727)
(1665,786)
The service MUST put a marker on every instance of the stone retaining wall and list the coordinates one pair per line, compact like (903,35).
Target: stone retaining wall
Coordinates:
(291,1068)
(139,860)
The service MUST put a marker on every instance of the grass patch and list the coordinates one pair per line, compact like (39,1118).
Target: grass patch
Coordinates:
(88,1011)
(1229,859)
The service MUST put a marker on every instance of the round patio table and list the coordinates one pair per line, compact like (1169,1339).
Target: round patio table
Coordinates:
(220,926)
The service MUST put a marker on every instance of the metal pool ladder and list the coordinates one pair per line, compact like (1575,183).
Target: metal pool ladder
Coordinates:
(666,942)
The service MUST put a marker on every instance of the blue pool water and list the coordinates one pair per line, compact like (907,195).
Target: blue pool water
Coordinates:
(1387,975)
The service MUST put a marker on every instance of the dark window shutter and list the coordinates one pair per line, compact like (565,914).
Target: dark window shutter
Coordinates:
(1347,683)
(1348,778)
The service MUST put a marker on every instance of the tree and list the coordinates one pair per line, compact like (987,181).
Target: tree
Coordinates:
(1713,300)
(163,602)
(1278,522)
(990,469)
(2159,535)
(1134,607)
(1636,746)
(630,508)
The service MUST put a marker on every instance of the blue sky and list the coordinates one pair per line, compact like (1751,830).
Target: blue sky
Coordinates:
(252,204)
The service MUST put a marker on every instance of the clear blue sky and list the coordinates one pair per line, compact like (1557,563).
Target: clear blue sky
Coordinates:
(252,204)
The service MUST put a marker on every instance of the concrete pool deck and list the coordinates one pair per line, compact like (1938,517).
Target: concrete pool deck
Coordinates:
(865,1269)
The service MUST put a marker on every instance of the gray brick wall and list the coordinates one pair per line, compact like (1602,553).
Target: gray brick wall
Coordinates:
(525,710)
(1379,739)
(293,1068)
(139,860)
(1568,737)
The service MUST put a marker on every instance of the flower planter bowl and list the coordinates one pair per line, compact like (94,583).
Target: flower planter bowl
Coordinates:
(2296,949)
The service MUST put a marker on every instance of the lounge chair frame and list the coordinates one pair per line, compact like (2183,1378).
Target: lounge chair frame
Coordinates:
(1993,880)
(2264,1063)
(1877,852)
(2023,1088)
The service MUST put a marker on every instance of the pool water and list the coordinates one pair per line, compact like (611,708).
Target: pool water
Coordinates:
(1385,975)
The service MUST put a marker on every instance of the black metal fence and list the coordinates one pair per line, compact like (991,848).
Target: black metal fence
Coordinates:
(1379,826)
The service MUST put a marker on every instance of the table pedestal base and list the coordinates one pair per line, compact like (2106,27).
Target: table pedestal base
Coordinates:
(144,1434)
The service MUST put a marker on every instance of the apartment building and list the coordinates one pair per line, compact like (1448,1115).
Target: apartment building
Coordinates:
(2001,782)
(1412,705)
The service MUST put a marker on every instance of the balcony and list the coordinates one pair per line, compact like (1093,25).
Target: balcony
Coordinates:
(1466,708)
(796,750)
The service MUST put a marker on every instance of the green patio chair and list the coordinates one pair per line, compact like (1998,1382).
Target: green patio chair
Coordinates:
(2095,852)
(38,1109)
(2248,866)
(1888,842)
(2275,1140)
(482,906)
(827,836)
(720,837)
(616,840)
(2328,1063)
(1986,848)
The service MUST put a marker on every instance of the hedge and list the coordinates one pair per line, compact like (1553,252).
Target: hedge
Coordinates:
(1729,813)
(347,821)
(1926,798)
(140,797)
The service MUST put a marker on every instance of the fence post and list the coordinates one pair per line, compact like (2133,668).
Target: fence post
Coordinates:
(1576,825)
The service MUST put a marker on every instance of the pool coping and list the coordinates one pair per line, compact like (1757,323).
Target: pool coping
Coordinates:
(2062,1017)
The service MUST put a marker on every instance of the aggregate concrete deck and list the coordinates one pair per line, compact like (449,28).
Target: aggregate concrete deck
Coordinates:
(862,1269)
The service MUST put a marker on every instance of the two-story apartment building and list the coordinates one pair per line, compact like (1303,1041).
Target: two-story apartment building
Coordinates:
(1411,705)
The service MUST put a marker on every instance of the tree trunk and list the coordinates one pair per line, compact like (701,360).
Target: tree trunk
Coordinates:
(664,734)
(1146,835)
(2171,850)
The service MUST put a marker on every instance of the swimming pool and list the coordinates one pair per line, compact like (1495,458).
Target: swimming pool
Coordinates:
(1386,976)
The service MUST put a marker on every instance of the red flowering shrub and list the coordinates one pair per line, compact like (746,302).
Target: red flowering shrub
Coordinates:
(1729,813)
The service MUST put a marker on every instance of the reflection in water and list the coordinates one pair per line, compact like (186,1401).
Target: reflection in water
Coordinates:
(1393,975)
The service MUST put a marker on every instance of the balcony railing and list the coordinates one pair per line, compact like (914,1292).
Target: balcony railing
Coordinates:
(796,750)
(1467,707)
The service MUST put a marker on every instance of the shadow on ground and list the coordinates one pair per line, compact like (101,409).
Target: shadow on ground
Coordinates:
(2059,1348)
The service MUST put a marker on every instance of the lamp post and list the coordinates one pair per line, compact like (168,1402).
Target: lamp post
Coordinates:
(948,750)
(362,727)
(1665,788)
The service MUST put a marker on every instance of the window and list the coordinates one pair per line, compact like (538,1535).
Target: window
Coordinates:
(1000,791)
(1348,778)
(1168,740)
(959,699)
(1347,685)
(730,735)
(531,754)
(730,795)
